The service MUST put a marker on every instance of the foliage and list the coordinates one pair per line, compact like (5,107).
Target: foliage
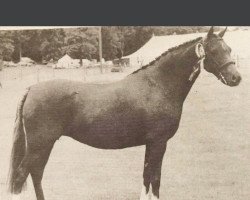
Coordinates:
(83,42)
(52,42)
(6,46)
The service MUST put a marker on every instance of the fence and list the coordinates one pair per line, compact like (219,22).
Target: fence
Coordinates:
(39,73)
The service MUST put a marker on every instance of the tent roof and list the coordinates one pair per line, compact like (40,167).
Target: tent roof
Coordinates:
(237,40)
(159,44)
(65,58)
(26,59)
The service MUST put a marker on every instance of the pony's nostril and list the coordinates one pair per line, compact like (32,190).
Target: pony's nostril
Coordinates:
(236,79)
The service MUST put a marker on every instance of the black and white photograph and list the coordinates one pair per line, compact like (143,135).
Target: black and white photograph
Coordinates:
(124,112)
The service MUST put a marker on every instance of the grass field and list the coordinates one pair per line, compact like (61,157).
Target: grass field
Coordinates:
(207,159)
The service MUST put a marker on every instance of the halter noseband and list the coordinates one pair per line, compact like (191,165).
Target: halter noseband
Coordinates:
(218,66)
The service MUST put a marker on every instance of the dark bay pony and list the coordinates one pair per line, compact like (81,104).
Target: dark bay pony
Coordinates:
(143,109)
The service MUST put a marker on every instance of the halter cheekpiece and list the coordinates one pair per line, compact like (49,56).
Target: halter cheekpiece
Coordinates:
(200,53)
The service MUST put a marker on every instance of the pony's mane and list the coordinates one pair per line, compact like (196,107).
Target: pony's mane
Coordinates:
(166,52)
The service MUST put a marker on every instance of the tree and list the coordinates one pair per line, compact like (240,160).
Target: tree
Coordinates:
(20,38)
(136,38)
(6,46)
(82,43)
(110,42)
(31,48)
(117,39)
(52,42)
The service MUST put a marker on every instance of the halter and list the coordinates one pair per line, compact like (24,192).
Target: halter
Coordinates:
(206,54)
(219,67)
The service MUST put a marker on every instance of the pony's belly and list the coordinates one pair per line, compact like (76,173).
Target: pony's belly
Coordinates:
(109,141)
(110,136)
(111,132)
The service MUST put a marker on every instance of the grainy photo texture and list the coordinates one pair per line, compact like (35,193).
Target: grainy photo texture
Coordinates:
(124,113)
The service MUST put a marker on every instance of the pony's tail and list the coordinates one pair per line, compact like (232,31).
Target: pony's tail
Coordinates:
(18,150)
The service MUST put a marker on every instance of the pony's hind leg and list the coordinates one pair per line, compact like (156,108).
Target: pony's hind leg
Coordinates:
(21,174)
(37,169)
(33,163)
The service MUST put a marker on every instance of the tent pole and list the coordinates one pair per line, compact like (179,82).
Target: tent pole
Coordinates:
(100,48)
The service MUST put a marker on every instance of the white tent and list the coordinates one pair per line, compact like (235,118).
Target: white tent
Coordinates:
(67,62)
(25,61)
(158,45)
(85,62)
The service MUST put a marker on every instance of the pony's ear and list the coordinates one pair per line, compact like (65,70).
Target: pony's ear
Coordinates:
(210,32)
(222,33)
(199,50)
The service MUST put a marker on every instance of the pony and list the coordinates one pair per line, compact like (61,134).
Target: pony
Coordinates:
(142,109)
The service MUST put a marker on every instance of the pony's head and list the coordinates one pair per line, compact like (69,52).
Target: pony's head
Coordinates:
(218,59)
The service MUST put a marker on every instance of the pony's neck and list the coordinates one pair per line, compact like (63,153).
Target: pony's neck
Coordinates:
(172,71)
(177,69)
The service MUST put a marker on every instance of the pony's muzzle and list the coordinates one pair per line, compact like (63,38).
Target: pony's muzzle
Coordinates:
(231,75)
(236,79)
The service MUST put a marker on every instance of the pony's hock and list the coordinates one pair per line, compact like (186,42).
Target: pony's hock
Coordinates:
(142,109)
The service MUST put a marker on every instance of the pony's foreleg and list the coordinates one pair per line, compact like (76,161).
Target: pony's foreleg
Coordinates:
(157,152)
(152,167)
(145,192)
